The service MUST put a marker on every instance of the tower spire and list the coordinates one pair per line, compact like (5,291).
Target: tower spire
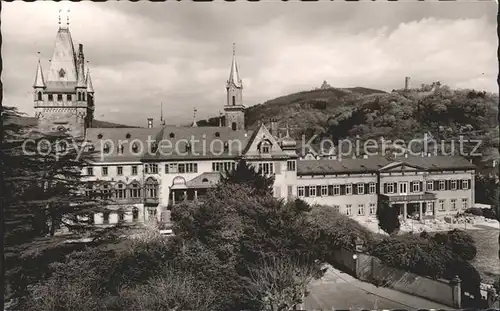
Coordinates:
(67,18)
(39,80)
(195,124)
(59,16)
(161,114)
(80,67)
(88,81)
(234,76)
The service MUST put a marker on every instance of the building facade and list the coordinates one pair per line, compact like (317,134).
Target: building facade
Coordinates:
(147,170)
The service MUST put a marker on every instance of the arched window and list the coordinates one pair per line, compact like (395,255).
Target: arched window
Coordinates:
(135,214)
(151,188)
(83,96)
(39,96)
(233,126)
(79,96)
(234,100)
(120,191)
(135,190)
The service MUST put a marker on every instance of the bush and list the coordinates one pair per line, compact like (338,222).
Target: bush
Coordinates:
(388,218)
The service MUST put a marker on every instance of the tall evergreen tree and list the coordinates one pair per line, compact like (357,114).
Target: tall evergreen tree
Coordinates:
(246,174)
(387,217)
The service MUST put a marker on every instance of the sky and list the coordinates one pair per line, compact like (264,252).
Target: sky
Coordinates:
(179,53)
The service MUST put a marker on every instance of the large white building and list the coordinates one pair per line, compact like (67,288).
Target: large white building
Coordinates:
(146,170)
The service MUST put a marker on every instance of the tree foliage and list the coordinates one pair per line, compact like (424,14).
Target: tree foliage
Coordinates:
(388,218)
(246,174)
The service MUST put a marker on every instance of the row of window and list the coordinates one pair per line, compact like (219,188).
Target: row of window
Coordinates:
(453,204)
(69,97)
(105,170)
(121,215)
(372,209)
(174,168)
(430,185)
(429,210)
(122,191)
(332,190)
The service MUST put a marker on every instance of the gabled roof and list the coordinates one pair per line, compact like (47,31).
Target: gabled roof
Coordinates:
(376,163)
(63,62)
(261,134)
(206,142)
(205,180)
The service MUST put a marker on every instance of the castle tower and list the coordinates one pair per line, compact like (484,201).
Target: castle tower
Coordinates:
(65,100)
(234,110)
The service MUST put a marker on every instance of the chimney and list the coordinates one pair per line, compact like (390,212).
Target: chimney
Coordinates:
(274,128)
(150,123)
(407,83)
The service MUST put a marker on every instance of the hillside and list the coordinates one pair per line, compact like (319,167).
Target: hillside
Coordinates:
(334,113)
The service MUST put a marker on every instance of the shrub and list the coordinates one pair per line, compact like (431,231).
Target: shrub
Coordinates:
(388,218)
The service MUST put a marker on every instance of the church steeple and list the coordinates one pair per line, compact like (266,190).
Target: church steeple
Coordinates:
(39,80)
(234,76)
(234,109)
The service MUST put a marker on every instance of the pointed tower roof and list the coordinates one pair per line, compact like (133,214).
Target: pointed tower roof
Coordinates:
(194,124)
(80,68)
(88,82)
(63,62)
(234,76)
(39,80)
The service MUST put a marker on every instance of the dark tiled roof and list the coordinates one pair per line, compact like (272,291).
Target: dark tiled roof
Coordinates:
(116,135)
(206,143)
(205,180)
(375,163)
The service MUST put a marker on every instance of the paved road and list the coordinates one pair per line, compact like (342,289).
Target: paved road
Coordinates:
(338,290)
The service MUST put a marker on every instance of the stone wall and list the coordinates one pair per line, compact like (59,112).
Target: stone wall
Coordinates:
(369,268)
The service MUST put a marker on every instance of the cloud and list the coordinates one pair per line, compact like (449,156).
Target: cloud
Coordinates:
(179,53)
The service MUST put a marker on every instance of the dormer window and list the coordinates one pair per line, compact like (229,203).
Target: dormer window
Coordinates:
(59,97)
(172,135)
(217,134)
(127,136)
(265,147)
(135,147)
(99,136)
(154,147)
